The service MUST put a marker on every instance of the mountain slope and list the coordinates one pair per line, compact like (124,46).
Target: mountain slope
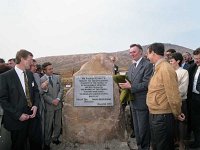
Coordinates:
(68,64)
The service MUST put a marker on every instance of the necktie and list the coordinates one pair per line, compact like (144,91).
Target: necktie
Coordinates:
(50,81)
(28,98)
(134,64)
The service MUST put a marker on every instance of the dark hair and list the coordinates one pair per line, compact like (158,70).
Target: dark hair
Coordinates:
(197,51)
(2,60)
(188,53)
(39,67)
(12,59)
(171,50)
(158,48)
(34,60)
(137,45)
(177,56)
(4,68)
(22,54)
(44,65)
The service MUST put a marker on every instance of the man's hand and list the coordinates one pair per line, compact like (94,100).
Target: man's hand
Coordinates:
(55,102)
(24,117)
(44,85)
(34,110)
(181,117)
(125,85)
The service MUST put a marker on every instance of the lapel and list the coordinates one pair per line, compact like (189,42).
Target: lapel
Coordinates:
(130,70)
(17,83)
(136,70)
(195,70)
(52,79)
(198,80)
(55,81)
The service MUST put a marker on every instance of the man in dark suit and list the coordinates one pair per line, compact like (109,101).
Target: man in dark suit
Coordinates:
(194,94)
(185,65)
(139,74)
(53,103)
(5,142)
(19,98)
(198,84)
(188,58)
(115,67)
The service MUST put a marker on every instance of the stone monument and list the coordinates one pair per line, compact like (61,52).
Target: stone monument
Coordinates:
(93,124)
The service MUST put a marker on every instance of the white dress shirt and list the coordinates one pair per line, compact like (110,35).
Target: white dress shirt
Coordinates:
(195,81)
(21,77)
(137,62)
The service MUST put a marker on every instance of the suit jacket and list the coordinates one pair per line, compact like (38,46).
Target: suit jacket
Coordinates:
(115,69)
(192,71)
(52,93)
(13,99)
(139,78)
(198,84)
(186,66)
(37,80)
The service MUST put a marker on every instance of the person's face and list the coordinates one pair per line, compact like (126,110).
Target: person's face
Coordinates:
(27,62)
(167,56)
(11,63)
(174,63)
(49,70)
(197,59)
(33,67)
(150,56)
(186,57)
(135,53)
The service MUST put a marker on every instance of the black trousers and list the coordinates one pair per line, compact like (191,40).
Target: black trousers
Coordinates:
(162,131)
(29,137)
(195,116)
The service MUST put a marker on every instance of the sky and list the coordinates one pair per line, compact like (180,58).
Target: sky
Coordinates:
(66,27)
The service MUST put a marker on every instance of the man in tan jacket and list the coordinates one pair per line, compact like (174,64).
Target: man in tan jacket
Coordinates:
(163,100)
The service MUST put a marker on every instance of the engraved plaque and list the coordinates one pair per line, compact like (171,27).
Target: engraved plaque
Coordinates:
(93,90)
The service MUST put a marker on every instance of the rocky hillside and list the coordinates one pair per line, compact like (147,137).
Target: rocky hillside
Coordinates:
(68,64)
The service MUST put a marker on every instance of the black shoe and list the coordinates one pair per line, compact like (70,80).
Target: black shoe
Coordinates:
(56,142)
(46,147)
(194,145)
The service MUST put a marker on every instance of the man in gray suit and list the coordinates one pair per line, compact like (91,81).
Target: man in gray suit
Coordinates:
(53,103)
(139,74)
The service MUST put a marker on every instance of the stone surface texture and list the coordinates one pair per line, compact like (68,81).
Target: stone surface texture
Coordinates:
(93,125)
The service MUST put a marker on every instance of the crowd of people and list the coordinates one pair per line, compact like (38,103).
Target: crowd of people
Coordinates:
(165,87)
(165,110)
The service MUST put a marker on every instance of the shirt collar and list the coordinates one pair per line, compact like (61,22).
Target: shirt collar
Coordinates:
(182,65)
(19,71)
(137,62)
(49,76)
